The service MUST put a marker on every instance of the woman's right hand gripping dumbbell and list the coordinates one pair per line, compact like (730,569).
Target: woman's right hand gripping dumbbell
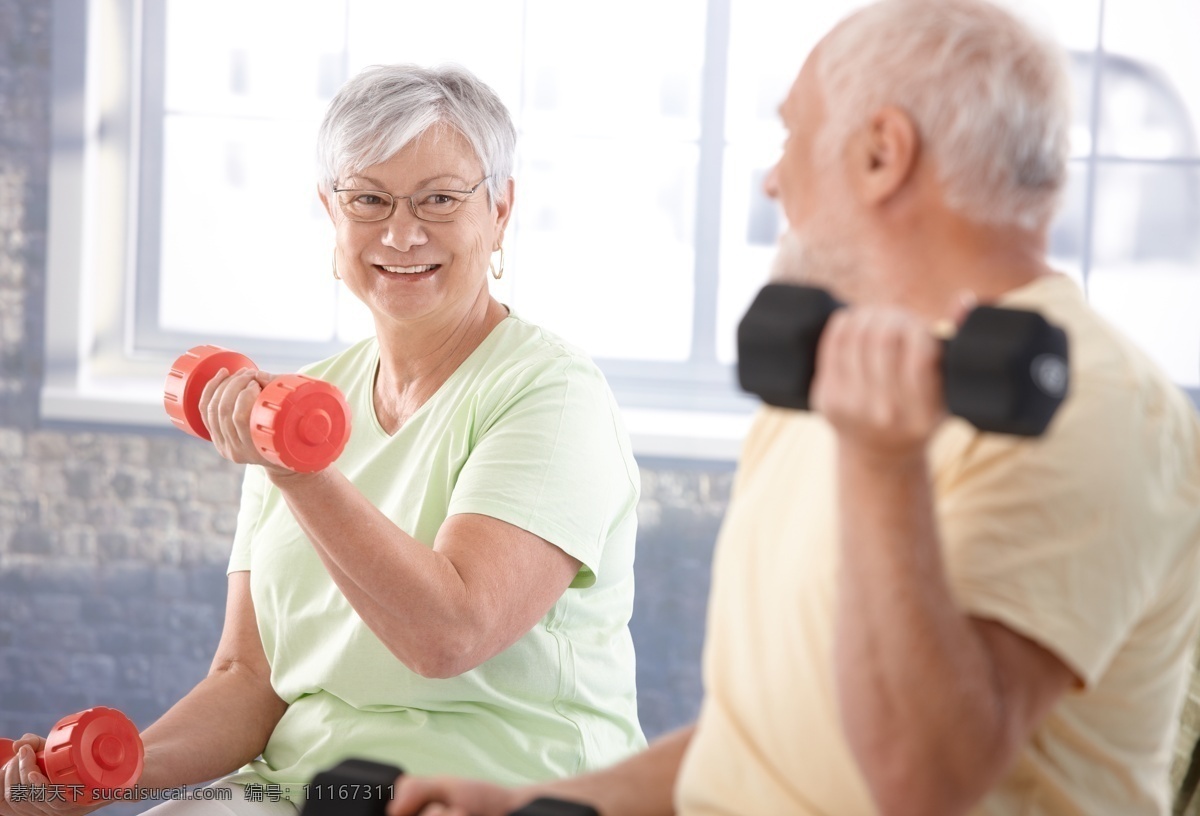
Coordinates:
(290,423)
(226,404)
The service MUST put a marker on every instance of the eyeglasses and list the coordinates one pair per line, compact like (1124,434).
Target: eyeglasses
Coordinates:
(427,205)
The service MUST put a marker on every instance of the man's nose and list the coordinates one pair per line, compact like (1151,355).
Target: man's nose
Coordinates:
(771,182)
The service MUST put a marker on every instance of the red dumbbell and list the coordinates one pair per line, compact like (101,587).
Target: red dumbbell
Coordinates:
(298,422)
(94,750)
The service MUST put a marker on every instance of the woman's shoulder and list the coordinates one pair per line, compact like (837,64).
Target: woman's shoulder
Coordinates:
(522,344)
(521,359)
(533,337)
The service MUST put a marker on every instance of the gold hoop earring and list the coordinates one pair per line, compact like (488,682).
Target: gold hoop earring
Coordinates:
(497,273)
(336,276)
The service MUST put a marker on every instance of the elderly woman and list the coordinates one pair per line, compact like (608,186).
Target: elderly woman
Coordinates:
(453,594)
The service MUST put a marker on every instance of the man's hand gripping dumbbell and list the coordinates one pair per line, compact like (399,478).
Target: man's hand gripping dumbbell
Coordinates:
(1004,370)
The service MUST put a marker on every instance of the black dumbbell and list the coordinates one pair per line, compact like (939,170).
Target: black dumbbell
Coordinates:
(1005,370)
(359,787)
(354,787)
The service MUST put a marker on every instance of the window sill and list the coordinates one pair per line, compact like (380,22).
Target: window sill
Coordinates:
(694,435)
(654,433)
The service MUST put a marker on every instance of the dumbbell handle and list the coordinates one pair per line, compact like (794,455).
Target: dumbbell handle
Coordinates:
(555,807)
(1005,370)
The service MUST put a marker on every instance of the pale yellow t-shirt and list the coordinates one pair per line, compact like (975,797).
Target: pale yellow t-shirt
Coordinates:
(1085,540)
(525,431)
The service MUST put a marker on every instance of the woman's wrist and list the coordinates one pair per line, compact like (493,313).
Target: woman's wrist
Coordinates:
(285,479)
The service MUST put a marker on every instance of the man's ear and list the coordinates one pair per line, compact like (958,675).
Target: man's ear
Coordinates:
(885,154)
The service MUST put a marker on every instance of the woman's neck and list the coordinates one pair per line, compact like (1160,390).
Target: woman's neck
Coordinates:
(416,359)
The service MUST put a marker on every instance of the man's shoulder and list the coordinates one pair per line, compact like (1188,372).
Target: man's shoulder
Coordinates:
(1105,363)
(1124,445)
(1101,354)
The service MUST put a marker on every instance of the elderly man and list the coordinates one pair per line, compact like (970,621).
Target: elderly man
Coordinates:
(909,615)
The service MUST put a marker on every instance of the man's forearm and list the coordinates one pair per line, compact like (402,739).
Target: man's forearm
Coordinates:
(919,700)
(642,785)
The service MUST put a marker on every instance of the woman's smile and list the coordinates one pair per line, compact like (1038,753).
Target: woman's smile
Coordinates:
(419,272)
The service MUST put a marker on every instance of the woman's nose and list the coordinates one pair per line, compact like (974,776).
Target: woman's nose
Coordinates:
(404,229)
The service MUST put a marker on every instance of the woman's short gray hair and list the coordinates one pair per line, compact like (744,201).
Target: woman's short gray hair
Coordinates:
(384,107)
(989,97)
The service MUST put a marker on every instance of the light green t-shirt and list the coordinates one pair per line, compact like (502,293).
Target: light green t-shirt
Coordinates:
(525,431)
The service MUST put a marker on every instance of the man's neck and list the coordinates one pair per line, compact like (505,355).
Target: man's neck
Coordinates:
(931,268)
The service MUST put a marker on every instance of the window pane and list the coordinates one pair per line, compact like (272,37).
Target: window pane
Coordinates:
(243,103)
(602,247)
(768,42)
(1073,24)
(1081,67)
(481,35)
(262,59)
(623,66)
(751,224)
(1151,78)
(243,236)
(1067,233)
(246,245)
(1146,267)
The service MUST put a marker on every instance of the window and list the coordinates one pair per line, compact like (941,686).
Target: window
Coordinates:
(640,231)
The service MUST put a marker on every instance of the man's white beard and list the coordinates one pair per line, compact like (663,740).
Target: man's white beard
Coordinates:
(829,264)
(789,263)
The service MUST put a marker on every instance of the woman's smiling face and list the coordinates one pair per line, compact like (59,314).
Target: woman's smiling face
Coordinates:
(404,268)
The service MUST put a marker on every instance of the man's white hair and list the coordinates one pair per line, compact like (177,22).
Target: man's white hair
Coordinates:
(989,96)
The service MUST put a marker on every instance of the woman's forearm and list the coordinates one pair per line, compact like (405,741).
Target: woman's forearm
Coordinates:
(220,725)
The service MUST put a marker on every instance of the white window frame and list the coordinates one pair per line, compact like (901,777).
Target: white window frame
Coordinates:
(100,368)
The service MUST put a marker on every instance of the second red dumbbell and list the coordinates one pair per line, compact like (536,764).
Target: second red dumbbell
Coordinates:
(298,422)
(90,755)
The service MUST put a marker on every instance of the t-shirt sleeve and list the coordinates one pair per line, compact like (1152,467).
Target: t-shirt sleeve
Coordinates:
(554,460)
(254,484)
(1053,537)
